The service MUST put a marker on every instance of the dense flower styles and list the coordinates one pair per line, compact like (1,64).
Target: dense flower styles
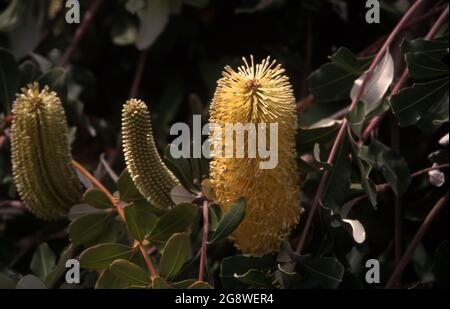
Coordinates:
(150,175)
(41,160)
(258,93)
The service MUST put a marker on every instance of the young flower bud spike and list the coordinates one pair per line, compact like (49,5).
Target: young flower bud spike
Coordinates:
(257,94)
(150,175)
(41,160)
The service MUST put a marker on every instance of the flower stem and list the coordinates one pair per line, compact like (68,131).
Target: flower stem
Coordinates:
(115,202)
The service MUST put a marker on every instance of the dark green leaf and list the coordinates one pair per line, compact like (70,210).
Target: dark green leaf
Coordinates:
(159,283)
(43,261)
(60,269)
(199,285)
(393,167)
(174,221)
(140,220)
(56,79)
(9,79)
(346,59)
(107,280)
(255,278)
(326,272)
(183,284)
(180,168)
(174,254)
(127,189)
(412,103)
(97,198)
(437,48)
(88,228)
(423,66)
(356,118)
(320,133)
(230,221)
(239,265)
(30,282)
(130,273)
(102,255)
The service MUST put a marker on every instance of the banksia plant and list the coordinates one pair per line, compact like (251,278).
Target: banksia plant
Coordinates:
(41,160)
(149,173)
(255,94)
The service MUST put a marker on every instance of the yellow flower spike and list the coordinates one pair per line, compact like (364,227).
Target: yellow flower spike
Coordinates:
(150,175)
(41,160)
(258,93)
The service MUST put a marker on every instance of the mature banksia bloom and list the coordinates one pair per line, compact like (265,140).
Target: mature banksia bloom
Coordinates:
(255,94)
(41,160)
(149,173)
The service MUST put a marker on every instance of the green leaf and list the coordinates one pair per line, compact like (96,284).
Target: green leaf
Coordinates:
(239,265)
(13,15)
(88,228)
(356,118)
(320,133)
(180,167)
(330,81)
(127,189)
(437,48)
(102,255)
(325,272)
(8,278)
(199,285)
(130,273)
(56,79)
(424,66)
(174,255)
(107,280)
(60,267)
(30,282)
(435,116)
(43,261)
(97,198)
(412,103)
(364,170)
(393,167)
(255,278)
(230,221)
(182,284)
(176,220)
(159,283)
(140,220)
(346,59)
(9,79)
(338,183)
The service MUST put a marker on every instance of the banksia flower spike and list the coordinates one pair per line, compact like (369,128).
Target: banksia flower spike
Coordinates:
(41,160)
(255,94)
(150,175)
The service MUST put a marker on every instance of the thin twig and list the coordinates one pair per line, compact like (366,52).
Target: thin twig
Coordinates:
(139,74)
(415,241)
(401,82)
(344,124)
(203,248)
(120,211)
(81,30)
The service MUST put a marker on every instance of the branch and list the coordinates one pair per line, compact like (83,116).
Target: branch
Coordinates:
(79,33)
(401,82)
(139,74)
(344,124)
(120,211)
(203,248)
(417,238)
